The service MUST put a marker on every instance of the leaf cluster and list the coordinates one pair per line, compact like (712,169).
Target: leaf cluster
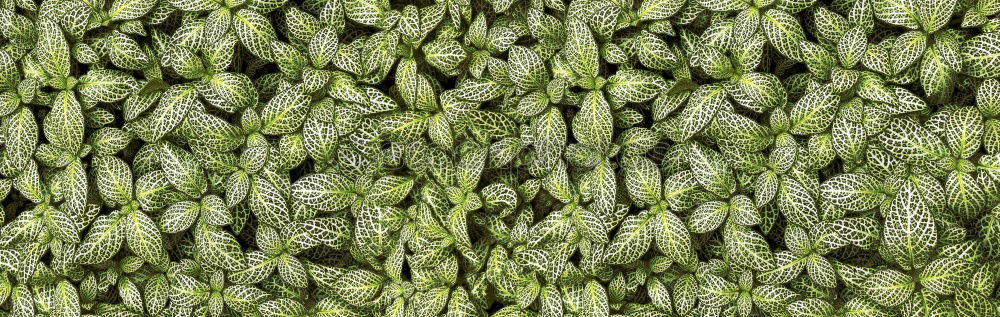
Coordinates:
(506,158)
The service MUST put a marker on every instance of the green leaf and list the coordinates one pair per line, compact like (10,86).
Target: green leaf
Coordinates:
(964,131)
(851,47)
(711,171)
(125,52)
(527,69)
(903,13)
(194,5)
(325,192)
(219,248)
(854,192)
(708,216)
(179,216)
(144,239)
(52,49)
(945,275)
(757,91)
(716,291)
(172,109)
(911,142)
(979,56)
(323,47)
(723,5)
(810,307)
(747,247)
(907,50)
(889,287)
(103,240)
(634,85)
(66,300)
(970,303)
(814,112)
(106,85)
(593,124)
(358,286)
(285,113)
(444,55)
(267,202)
(642,179)
(214,132)
(658,9)
(182,170)
(672,237)
(581,49)
(935,14)
(909,229)
(389,190)
(935,75)
(63,126)
(230,91)
(701,108)
(797,203)
(114,179)
(595,300)
(130,9)
(254,31)
(188,291)
(654,52)
(632,240)
(784,32)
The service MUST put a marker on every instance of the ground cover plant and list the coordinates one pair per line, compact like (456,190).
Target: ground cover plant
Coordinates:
(509,158)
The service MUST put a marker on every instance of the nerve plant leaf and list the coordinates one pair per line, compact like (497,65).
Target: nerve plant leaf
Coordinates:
(503,158)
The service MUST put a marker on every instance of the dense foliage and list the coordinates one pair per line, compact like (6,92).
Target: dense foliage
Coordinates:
(500,158)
